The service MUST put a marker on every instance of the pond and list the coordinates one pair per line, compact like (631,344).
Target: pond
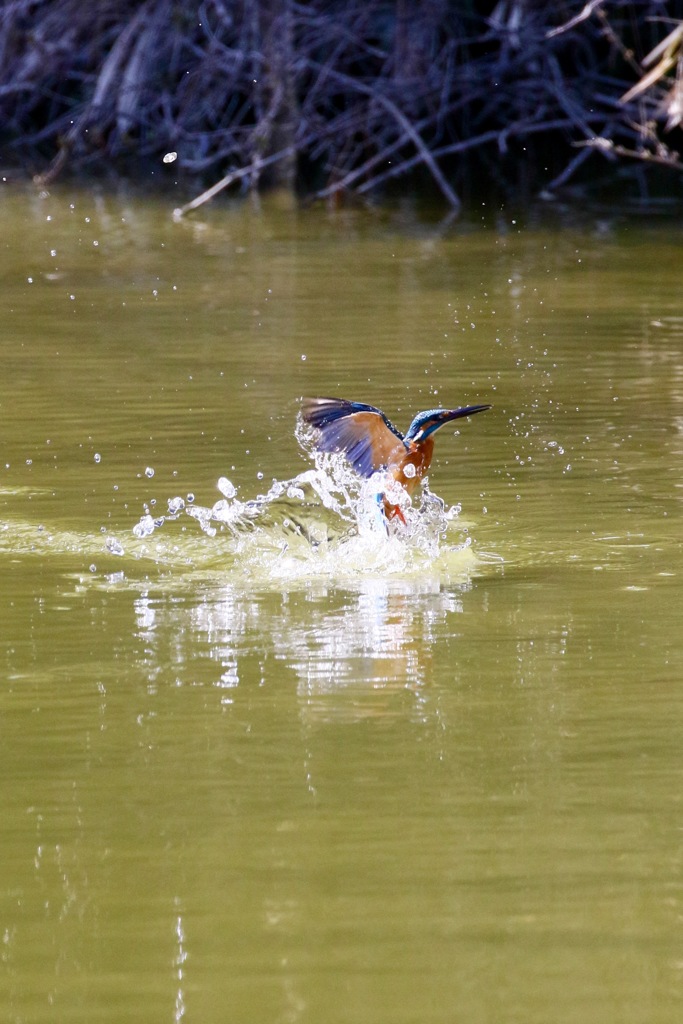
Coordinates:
(263,759)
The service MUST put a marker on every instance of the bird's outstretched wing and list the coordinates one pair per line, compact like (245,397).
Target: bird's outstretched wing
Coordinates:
(361,432)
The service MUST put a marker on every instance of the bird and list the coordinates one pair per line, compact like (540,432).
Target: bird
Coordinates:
(371,443)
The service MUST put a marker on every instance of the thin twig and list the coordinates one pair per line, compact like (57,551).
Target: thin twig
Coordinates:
(583,15)
(230,179)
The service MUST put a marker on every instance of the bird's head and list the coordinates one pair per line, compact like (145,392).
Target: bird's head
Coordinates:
(425,423)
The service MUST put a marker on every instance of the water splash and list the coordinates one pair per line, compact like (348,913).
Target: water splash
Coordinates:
(325,525)
(325,522)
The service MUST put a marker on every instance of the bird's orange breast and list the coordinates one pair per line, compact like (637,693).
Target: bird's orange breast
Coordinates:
(419,456)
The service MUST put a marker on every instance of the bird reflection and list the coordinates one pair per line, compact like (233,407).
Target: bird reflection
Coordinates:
(350,651)
(377,642)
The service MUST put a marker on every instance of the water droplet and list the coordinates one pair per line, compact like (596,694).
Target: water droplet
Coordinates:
(409,471)
(170,157)
(145,527)
(149,472)
(97,457)
(303,358)
(175,505)
(113,546)
(226,487)
(93,567)
(259,475)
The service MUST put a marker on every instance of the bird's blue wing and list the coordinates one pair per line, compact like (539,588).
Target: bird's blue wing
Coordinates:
(361,432)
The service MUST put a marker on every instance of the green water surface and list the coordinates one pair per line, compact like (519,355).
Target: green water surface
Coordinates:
(365,790)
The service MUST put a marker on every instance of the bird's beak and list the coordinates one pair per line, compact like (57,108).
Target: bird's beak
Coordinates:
(467,410)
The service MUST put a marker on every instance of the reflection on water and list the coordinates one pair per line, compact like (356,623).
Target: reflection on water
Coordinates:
(375,638)
(180,959)
(380,638)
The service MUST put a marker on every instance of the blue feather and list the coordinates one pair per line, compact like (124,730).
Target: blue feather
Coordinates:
(318,412)
(361,432)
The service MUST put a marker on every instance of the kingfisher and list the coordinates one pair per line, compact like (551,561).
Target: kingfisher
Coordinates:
(372,443)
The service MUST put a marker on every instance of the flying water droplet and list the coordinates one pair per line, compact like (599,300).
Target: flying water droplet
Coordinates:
(149,472)
(227,487)
(113,546)
(203,517)
(144,528)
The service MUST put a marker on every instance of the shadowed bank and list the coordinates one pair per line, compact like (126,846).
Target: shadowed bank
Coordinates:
(355,96)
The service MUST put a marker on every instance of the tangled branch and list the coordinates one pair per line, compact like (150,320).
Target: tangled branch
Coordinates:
(332,96)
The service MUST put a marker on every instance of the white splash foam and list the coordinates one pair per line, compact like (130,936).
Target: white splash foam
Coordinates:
(325,523)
